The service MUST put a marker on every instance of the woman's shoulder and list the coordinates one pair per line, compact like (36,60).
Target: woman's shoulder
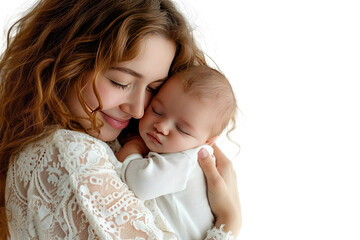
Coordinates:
(73,136)
(81,147)
(72,149)
(68,138)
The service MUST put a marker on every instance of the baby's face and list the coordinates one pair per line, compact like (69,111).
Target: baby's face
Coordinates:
(175,121)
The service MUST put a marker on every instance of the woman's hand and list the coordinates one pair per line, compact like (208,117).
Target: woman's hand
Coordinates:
(223,193)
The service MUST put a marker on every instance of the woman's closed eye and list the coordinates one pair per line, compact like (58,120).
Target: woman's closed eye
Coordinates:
(152,90)
(119,85)
(154,87)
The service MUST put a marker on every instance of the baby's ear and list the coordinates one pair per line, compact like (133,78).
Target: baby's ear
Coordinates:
(212,140)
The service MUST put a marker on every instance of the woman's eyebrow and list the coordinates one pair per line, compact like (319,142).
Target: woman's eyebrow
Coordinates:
(129,71)
(134,73)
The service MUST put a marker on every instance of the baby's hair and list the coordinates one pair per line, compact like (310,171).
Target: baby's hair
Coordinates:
(204,82)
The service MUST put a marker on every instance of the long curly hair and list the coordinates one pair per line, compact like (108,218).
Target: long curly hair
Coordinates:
(55,44)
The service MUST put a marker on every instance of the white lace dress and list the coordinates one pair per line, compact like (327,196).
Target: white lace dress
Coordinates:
(67,186)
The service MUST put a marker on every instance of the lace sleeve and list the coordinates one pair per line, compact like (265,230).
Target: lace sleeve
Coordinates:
(111,209)
(219,234)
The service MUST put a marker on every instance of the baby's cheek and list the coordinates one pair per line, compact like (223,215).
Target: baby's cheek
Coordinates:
(142,125)
(146,122)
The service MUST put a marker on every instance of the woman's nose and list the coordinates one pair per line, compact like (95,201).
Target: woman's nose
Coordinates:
(135,105)
(163,126)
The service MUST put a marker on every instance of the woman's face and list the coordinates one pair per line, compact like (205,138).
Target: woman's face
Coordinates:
(126,88)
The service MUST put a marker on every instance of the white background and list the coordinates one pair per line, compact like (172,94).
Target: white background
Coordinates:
(295,68)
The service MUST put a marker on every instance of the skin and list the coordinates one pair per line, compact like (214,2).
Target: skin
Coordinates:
(176,121)
(126,88)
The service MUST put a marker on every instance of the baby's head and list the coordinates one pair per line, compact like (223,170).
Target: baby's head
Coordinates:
(192,108)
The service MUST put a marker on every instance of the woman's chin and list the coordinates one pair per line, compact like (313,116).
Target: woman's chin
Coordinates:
(107,135)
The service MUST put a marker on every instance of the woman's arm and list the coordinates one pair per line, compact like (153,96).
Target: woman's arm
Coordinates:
(222,190)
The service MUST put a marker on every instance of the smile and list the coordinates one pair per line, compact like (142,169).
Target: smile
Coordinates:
(115,123)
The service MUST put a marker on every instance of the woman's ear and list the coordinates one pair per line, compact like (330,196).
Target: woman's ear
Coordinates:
(212,140)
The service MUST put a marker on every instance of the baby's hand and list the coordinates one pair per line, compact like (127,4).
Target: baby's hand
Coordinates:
(133,145)
(139,144)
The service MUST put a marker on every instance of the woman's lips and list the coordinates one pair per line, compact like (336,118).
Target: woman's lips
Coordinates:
(153,138)
(115,123)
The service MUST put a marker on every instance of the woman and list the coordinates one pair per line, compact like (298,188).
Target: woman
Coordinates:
(72,76)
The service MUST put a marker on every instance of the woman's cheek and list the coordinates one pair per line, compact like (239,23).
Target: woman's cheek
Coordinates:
(108,94)
(89,96)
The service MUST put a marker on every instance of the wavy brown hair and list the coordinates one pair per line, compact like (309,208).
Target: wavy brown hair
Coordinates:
(51,49)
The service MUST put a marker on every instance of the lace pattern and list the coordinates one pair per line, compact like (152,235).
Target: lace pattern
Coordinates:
(66,186)
(219,234)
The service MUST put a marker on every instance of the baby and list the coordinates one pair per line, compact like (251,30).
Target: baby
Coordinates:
(188,113)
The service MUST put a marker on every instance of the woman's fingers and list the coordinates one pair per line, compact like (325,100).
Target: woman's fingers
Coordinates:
(222,189)
(226,170)
(211,173)
(223,164)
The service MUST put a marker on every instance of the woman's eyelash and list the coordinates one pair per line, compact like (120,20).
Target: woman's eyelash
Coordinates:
(118,85)
(152,90)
